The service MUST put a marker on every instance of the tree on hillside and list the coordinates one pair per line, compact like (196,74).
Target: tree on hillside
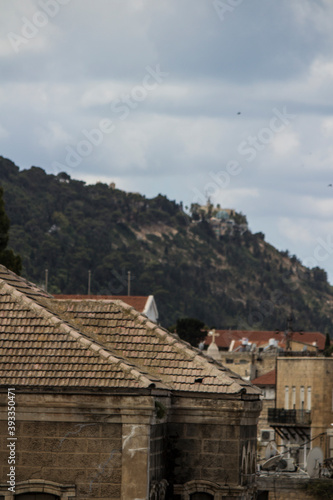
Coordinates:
(328,349)
(191,330)
(7,257)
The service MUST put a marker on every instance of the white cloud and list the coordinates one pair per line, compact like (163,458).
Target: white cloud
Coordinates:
(285,143)
(295,231)
(3,132)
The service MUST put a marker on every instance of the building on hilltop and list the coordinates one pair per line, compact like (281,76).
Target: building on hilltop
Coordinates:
(110,406)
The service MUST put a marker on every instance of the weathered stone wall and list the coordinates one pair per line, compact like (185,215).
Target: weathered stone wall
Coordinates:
(97,443)
(87,455)
(204,451)
(315,373)
(157,452)
(206,442)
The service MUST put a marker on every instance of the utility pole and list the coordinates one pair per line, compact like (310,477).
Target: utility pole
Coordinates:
(89,281)
(128,283)
(46,279)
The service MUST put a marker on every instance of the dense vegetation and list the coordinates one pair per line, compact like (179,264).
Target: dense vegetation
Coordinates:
(7,256)
(239,281)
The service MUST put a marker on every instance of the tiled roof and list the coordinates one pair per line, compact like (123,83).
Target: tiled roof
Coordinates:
(21,284)
(37,348)
(137,301)
(268,378)
(129,334)
(226,336)
(46,342)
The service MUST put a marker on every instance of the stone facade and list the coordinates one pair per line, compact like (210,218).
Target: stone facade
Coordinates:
(98,447)
(209,445)
(247,364)
(95,443)
(306,384)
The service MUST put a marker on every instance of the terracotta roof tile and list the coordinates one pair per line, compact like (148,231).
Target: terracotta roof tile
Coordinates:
(266,379)
(39,348)
(135,301)
(149,346)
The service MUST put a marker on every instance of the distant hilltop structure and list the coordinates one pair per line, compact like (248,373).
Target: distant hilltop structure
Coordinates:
(222,220)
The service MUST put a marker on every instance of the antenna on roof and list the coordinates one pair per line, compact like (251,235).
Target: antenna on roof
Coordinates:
(128,283)
(89,282)
(289,332)
(46,279)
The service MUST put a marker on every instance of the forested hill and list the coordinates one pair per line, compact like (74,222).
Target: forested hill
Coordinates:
(238,281)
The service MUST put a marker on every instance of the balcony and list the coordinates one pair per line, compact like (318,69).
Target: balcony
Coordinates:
(297,418)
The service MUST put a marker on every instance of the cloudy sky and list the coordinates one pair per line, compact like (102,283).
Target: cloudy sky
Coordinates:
(231,99)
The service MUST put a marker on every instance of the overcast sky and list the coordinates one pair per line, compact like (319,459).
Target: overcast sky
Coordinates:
(231,99)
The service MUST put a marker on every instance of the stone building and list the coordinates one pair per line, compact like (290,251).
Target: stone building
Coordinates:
(304,406)
(252,354)
(111,406)
(266,435)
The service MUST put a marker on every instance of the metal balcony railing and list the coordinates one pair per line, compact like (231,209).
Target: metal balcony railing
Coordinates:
(291,417)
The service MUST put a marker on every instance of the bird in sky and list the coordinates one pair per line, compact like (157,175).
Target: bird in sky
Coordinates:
(330,185)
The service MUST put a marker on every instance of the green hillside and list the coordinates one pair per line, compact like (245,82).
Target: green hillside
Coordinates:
(238,281)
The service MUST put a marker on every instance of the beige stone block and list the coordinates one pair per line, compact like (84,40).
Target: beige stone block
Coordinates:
(210,446)
(111,431)
(105,445)
(82,430)
(69,444)
(34,459)
(110,491)
(37,429)
(33,444)
(88,490)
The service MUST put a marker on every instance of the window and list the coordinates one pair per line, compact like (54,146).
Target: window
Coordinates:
(302,398)
(308,405)
(293,398)
(286,398)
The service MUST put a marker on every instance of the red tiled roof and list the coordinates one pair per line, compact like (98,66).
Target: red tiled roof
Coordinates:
(226,336)
(266,379)
(136,301)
